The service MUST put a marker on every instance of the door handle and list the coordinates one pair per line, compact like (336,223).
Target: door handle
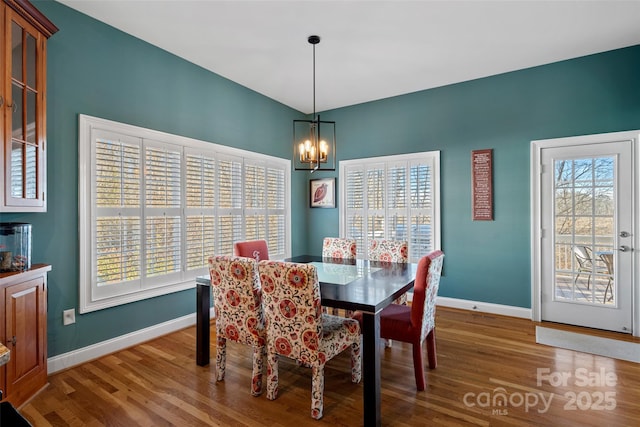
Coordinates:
(624,234)
(623,248)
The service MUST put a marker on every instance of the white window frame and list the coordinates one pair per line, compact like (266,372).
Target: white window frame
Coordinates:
(430,158)
(94,297)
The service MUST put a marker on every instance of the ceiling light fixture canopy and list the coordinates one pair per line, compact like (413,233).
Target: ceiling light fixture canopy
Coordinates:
(314,141)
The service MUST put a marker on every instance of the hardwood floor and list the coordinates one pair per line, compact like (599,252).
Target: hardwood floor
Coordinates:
(481,358)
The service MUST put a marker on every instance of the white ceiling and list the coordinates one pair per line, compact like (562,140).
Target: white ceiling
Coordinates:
(369,49)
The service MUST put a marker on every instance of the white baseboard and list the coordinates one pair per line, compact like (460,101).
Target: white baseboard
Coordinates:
(94,351)
(485,307)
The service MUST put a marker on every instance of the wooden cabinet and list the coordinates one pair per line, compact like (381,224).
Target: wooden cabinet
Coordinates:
(23,104)
(23,330)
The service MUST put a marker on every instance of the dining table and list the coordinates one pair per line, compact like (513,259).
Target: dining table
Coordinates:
(354,285)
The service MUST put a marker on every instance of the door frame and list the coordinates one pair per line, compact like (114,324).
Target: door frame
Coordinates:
(536,220)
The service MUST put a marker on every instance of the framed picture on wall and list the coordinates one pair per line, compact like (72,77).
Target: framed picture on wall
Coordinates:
(482,185)
(322,193)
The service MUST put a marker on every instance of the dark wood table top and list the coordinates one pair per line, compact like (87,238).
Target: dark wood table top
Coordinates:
(378,284)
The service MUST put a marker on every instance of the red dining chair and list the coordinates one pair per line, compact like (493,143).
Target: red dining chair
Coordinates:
(383,250)
(297,328)
(237,303)
(416,323)
(256,249)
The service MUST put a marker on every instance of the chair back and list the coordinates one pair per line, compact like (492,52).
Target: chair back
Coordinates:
(388,250)
(256,249)
(583,256)
(237,298)
(293,311)
(337,247)
(425,290)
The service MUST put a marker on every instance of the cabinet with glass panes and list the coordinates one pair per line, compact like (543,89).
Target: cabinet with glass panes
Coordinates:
(23,103)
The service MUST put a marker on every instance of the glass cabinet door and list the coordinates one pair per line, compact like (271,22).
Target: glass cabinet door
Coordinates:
(24,159)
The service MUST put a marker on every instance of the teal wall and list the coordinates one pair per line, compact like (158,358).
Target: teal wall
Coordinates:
(489,261)
(96,70)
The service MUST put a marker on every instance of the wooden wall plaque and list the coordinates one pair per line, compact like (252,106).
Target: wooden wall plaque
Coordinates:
(482,185)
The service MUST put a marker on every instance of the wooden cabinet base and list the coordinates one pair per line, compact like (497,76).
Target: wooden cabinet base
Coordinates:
(23,330)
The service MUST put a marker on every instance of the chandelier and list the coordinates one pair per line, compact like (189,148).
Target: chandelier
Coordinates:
(314,141)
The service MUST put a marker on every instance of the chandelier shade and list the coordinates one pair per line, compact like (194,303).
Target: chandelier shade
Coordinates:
(314,141)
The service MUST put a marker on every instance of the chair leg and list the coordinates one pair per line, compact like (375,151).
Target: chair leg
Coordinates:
(317,391)
(417,365)
(356,363)
(607,290)
(256,378)
(431,349)
(272,375)
(221,356)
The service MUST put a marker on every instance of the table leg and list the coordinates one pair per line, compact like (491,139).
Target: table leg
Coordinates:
(371,369)
(203,324)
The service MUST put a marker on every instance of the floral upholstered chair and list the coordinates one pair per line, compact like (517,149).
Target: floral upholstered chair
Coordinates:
(337,247)
(417,323)
(256,249)
(297,328)
(381,250)
(388,250)
(238,307)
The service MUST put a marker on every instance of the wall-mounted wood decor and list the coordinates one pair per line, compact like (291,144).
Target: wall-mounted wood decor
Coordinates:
(482,185)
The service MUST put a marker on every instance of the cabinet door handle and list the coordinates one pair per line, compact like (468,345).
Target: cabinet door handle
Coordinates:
(13,106)
(1,100)
(13,340)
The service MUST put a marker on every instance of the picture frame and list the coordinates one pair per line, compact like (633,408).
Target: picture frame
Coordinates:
(322,193)
(482,185)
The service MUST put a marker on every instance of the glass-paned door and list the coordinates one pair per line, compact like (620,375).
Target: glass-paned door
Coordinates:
(586,227)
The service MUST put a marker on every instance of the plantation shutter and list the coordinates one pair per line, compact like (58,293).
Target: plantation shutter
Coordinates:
(163,209)
(355,207)
(230,220)
(390,198)
(118,213)
(255,201)
(276,212)
(200,209)
(29,163)
(154,207)
(375,193)
(421,209)
(397,203)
